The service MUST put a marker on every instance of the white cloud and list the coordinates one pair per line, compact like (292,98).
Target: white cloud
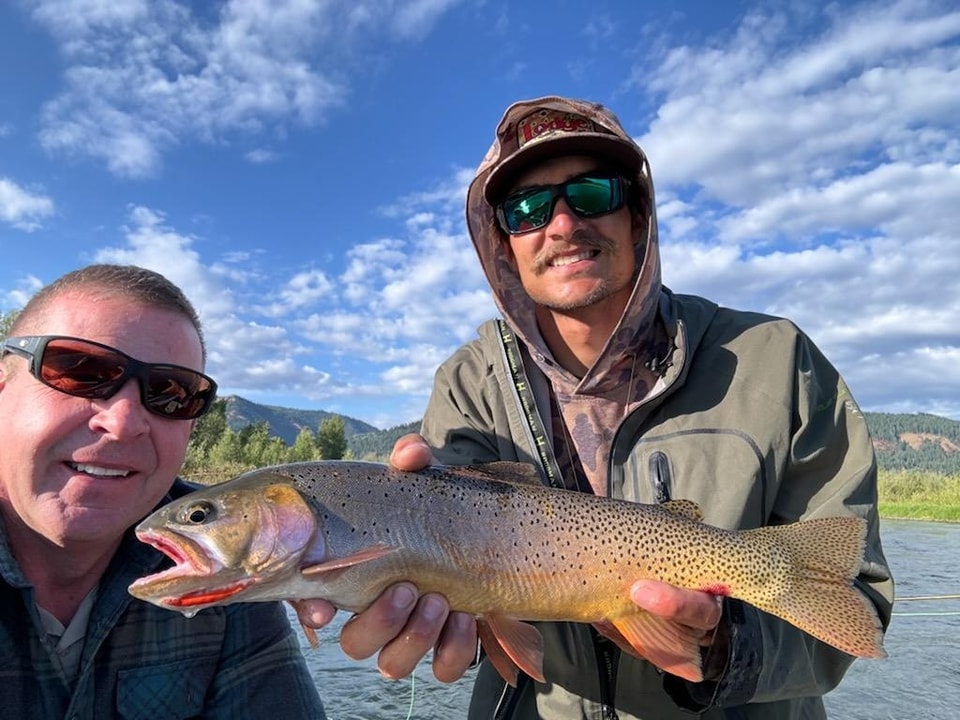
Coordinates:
(414,20)
(22,208)
(261,156)
(143,77)
(18,297)
(818,180)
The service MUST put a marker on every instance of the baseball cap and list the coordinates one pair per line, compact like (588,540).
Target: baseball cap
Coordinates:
(533,130)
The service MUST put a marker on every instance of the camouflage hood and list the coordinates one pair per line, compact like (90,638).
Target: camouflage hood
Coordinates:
(592,405)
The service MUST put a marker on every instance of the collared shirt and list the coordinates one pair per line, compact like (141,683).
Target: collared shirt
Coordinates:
(67,642)
(139,661)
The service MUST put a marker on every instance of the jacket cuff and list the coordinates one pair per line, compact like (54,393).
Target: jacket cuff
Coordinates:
(738,682)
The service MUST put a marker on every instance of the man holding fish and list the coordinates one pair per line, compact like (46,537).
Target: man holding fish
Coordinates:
(612,384)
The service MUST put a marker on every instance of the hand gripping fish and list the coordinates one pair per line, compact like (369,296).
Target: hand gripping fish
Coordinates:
(499,545)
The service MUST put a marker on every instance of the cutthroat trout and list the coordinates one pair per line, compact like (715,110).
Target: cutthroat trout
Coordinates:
(500,545)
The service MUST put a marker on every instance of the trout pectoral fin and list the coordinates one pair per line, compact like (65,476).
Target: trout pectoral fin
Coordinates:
(671,647)
(511,645)
(371,553)
(498,658)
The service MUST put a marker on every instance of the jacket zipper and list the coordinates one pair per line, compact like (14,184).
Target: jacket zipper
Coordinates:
(608,656)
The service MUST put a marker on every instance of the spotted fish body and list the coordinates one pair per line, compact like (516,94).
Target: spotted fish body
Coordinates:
(503,547)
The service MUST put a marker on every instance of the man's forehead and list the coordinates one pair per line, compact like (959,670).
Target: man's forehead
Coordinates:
(558,169)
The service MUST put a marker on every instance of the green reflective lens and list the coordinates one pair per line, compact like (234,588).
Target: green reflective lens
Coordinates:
(587,195)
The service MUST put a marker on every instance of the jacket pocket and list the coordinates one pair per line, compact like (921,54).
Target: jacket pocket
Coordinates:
(172,691)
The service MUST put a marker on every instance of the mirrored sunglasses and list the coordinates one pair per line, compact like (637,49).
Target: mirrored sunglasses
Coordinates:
(587,196)
(87,369)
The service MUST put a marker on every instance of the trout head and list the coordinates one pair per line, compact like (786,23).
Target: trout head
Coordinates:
(228,542)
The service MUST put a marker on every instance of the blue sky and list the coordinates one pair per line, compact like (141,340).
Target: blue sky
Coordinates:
(299,168)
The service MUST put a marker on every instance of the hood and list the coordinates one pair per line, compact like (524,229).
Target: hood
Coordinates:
(627,368)
(528,132)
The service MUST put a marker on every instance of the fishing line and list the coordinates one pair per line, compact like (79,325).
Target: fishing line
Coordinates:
(413,687)
(932,613)
(927,597)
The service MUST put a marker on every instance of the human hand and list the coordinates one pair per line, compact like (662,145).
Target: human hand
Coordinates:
(405,627)
(697,613)
(411,453)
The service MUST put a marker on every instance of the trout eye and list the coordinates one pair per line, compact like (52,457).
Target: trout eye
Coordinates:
(197,513)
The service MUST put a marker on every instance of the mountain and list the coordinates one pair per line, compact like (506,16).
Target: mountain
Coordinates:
(920,442)
(286,423)
(378,444)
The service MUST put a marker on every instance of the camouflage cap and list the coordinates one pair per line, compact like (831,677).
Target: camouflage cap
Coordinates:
(533,130)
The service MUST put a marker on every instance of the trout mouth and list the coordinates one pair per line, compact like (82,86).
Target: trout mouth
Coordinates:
(195,581)
(187,583)
(188,557)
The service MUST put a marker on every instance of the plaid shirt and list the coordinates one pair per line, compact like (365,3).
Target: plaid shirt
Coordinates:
(142,662)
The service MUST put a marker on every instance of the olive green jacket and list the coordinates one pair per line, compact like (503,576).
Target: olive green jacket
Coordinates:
(752,423)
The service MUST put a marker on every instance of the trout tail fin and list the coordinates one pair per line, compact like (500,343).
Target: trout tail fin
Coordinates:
(818,596)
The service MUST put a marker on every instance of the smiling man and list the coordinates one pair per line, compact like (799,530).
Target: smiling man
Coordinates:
(612,384)
(101,383)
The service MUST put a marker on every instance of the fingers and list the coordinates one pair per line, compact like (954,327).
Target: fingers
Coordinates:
(365,633)
(457,648)
(404,629)
(411,453)
(400,656)
(401,626)
(314,613)
(695,609)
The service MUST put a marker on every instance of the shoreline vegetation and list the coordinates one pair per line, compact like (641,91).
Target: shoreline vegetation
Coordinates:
(915,495)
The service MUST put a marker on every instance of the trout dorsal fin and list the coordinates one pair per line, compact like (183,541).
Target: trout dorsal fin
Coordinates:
(684,508)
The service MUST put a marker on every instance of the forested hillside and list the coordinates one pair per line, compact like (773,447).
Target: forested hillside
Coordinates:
(285,423)
(921,442)
(927,443)
(378,444)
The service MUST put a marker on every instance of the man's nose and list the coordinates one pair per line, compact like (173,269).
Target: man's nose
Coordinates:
(122,414)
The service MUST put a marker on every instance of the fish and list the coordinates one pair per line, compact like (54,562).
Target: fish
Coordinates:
(503,547)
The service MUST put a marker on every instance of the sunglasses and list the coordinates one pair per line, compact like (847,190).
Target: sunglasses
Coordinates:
(87,369)
(587,195)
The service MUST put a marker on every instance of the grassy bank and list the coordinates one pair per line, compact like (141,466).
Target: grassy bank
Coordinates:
(920,496)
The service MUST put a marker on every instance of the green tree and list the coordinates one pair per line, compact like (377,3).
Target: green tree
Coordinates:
(254,439)
(6,320)
(206,433)
(332,438)
(304,447)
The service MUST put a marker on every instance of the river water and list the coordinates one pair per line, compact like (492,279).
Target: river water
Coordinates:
(920,678)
